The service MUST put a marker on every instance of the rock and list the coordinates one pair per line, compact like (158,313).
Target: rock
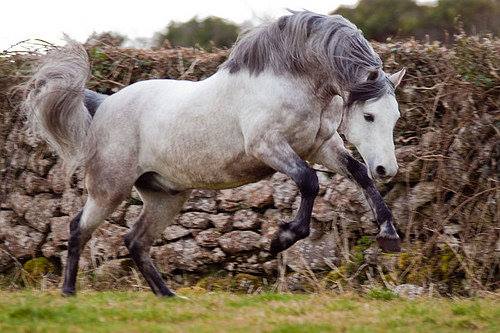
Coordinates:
(72,202)
(345,196)
(19,202)
(314,254)
(58,236)
(246,219)
(201,200)
(135,197)
(409,290)
(6,259)
(322,210)
(270,267)
(42,208)
(421,194)
(269,227)
(239,241)
(222,222)
(107,243)
(112,270)
(132,215)
(118,215)
(245,267)
(197,220)
(230,200)
(297,282)
(57,178)
(259,195)
(324,180)
(19,240)
(39,165)
(175,231)
(18,159)
(254,195)
(410,167)
(34,184)
(184,254)
(208,238)
(284,191)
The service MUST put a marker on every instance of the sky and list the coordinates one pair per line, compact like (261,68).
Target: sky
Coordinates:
(50,19)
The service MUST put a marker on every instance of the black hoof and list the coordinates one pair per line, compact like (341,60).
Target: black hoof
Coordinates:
(389,244)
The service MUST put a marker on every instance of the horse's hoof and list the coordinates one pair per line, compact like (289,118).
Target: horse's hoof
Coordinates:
(389,244)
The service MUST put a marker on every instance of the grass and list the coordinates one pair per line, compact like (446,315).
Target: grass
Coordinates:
(35,311)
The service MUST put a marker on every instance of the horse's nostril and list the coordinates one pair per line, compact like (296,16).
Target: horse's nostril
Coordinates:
(380,170)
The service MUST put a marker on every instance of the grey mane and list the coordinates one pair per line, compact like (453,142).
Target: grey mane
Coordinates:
(324,48)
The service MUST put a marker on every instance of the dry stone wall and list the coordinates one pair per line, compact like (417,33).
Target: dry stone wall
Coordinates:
(228,229)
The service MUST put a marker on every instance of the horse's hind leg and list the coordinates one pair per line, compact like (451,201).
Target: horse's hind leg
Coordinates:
(81,228)
(106,189)
(159,210)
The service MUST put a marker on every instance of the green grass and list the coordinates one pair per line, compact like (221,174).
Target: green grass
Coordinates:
(35,311)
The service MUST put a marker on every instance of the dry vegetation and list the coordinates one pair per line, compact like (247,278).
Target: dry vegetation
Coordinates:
(445,196)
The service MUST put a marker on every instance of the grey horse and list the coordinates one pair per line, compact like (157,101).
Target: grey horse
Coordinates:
(285,93)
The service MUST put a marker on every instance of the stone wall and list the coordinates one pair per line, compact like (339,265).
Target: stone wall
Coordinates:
(229,229)
(443,198)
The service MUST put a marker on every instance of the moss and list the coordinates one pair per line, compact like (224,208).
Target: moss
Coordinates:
(215,283)
(36,268)
(358,257)
(404,260)
(336,275)
(194,290)
(441,266)
(365,241)
(447,264)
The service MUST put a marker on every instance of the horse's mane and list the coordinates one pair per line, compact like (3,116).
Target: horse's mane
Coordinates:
(318,46)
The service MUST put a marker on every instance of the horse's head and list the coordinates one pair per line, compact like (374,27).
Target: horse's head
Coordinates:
(369,127)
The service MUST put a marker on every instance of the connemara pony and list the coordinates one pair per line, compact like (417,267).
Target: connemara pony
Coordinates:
(285,93)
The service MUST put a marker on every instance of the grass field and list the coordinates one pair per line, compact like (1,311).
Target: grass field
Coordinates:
(35,311)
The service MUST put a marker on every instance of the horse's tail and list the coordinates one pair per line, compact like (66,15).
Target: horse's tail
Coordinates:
(54,102)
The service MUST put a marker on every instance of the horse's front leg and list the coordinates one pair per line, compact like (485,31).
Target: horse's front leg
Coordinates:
(333,155)
(279,155)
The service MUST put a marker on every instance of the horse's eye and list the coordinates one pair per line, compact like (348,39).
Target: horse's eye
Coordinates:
(369,117)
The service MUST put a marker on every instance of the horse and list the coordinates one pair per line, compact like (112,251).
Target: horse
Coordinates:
(280,102)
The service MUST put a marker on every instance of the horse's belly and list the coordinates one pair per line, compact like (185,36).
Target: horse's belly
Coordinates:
(201,157)
(210,174)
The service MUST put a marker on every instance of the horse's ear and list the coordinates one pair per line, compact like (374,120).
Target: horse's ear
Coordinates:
(397,77)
